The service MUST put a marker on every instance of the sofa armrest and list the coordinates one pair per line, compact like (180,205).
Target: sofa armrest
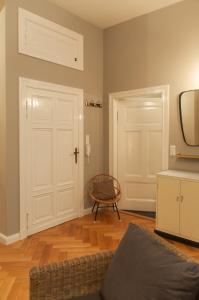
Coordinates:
(65,280)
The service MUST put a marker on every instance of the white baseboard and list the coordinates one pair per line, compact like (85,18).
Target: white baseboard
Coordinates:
(7,240)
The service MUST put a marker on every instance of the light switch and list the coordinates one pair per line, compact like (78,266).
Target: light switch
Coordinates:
(172,150)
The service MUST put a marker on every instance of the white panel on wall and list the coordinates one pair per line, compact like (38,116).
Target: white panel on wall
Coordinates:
(43,39)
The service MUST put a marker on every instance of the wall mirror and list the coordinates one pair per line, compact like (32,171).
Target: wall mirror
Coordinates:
(189,115)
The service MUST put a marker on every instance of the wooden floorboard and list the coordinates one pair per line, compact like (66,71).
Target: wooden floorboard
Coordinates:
(69,240)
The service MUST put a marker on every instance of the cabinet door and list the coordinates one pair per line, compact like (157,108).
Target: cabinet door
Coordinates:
(189,220)
(168,208)
(46,40)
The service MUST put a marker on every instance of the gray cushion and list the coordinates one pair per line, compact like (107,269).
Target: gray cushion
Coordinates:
(89,297)
(104,190)
(144,269)
(197,297)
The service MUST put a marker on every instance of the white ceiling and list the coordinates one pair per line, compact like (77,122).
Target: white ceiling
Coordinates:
(106,13)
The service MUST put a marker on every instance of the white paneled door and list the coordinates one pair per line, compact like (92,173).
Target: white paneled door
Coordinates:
(140,155)
(50,122)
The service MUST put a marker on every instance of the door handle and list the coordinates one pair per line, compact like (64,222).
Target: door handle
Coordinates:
(76,152)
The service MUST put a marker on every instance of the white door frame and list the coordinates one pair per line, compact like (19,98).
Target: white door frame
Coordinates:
(23,131)
(114,98)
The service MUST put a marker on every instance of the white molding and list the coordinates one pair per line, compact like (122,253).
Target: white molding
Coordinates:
(7,240)
(22,157)
(141,92)
(37,35)
(81,152)
(114,98)
(24,83)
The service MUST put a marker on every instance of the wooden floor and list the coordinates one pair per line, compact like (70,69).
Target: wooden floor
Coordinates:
(72,239)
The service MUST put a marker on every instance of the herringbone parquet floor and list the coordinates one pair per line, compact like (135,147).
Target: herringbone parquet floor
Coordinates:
(72,239)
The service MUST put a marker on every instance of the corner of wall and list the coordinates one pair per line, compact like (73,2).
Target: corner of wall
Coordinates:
(3,117)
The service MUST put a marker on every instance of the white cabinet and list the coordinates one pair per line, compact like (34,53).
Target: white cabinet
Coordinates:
(178,204)
(46,40)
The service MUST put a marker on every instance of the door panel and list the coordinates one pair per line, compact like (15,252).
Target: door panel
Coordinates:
(45,114)
(52,172)
(138,114)
(189,222)
(42,159)
(65,201)
(133,141)
(65,109)
(42,208)
(65,156)
(140,190)
(140,137)
(154,140)
(168,205)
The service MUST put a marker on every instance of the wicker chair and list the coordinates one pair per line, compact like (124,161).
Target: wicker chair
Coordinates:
(104,190)
(69,279)
(77,277)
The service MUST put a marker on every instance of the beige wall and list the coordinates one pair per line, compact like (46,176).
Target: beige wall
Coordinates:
(2,118)
(91,80)
(156,49)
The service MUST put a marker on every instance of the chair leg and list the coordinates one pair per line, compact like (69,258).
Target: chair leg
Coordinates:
(93,207)
(96,211)
(113,207)
(117,211)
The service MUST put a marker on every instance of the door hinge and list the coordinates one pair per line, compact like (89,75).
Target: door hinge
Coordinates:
(27,221)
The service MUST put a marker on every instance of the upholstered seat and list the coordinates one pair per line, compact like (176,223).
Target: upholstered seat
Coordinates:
(143,267)
(104,190)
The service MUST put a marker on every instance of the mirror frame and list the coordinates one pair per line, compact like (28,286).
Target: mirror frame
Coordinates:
(181,122)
